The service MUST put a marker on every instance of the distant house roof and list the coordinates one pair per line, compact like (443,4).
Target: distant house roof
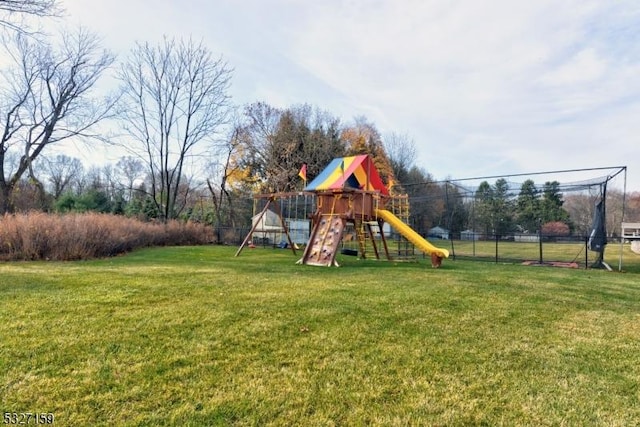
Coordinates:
(438,229)
(357,172)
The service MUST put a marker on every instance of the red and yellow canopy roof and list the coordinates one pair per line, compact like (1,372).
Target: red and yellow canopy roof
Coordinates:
(355,172)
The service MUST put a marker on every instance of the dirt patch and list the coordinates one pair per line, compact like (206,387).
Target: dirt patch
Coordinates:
(552,264)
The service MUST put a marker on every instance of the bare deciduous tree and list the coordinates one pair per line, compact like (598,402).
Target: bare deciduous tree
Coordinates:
(47,98)
(632,213)
(402,153)
(13,12)
(261,126)
(60,172)
(227,168)
(176,100)
(130,169)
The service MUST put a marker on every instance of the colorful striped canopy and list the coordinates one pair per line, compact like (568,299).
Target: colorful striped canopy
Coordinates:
(354,172)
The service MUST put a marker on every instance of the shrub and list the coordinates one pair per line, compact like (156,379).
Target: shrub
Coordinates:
(73,236)
(555,228)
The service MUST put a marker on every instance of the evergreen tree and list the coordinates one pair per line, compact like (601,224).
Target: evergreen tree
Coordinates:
(484,207)
(551,204)
(494,208)
(93,200)
(502,207)
(65,203)
(150,209)
(118,205)
(528,207)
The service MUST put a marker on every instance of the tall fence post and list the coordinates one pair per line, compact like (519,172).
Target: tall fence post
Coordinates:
(586,252)
(540,244)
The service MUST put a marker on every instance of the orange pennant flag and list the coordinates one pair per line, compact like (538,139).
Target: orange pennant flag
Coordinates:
(303,172)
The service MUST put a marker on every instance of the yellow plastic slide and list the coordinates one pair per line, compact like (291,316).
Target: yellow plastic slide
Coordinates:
(411,235)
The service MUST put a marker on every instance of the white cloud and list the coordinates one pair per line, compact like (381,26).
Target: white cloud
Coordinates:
(583,67)
(483,87)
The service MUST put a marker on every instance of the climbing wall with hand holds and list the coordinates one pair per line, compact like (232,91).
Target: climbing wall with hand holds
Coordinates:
(325,241)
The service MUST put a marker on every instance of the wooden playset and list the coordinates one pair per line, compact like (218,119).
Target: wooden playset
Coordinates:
(349,191)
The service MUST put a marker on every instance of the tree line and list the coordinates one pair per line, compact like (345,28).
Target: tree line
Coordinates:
(499,212)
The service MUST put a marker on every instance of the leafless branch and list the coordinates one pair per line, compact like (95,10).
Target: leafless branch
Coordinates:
(49,99)
(175,97)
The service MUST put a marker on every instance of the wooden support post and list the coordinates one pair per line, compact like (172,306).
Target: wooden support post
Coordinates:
(253,228)
(384,239)
(373,240)
(284,227)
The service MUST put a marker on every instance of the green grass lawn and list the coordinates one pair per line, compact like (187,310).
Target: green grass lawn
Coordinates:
(563,252)
(196,336)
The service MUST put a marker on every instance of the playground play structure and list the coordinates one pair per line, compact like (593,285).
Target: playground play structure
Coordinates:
(349,194)
(347,209)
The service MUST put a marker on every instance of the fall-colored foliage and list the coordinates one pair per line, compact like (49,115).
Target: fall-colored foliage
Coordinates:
(555,228)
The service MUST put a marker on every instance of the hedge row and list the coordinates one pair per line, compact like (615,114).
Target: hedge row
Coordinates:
(41,236)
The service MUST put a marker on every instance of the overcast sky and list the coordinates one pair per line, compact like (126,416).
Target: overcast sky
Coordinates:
(483,87)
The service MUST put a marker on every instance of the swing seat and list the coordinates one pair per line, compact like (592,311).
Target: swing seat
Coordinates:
(350,252)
